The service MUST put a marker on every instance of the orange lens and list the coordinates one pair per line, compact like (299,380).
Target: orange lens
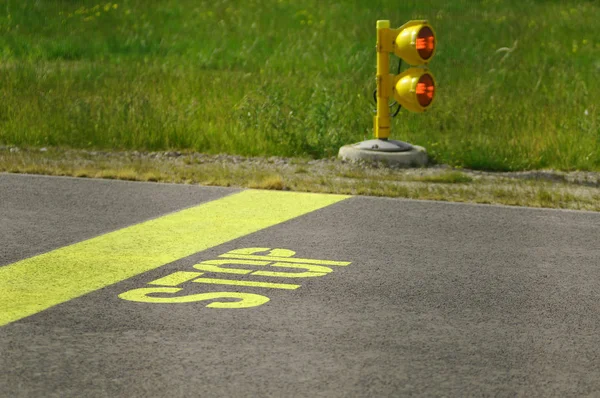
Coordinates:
(425,43)
(425,90)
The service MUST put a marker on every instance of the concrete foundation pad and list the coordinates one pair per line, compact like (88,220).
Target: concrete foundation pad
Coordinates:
(393,153)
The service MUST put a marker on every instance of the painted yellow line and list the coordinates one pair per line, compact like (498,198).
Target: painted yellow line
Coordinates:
(37,283)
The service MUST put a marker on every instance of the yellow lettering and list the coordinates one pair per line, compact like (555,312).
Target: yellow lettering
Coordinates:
(288,259)
(176,278)
(216,266)
(244,300)
(310,271)
(283,255)
(268,285)
(253,256)
(254,250)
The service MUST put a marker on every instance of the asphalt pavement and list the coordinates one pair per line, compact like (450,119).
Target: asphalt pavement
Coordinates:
(127,289)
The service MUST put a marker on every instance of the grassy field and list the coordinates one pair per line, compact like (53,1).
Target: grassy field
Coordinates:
(518,80)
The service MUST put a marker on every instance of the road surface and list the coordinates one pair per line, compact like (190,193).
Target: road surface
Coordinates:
(126,289)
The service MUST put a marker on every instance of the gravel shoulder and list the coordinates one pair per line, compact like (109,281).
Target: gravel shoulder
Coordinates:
(541,188)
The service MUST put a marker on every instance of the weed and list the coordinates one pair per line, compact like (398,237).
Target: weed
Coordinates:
(269,182)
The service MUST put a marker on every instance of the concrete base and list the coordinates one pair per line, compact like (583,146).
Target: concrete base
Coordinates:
(393,153)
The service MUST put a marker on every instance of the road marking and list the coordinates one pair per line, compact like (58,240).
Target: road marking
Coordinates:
(216,266)
(38,283)
(176,278)
(232,282)
(279,258)
(287,259)
(244,300)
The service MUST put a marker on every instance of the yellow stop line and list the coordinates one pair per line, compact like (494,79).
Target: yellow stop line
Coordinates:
(38,283)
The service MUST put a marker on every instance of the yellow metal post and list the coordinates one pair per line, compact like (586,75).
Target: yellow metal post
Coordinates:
(382,120)
(413,90)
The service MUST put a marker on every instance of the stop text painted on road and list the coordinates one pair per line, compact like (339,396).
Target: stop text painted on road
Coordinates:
(168,285)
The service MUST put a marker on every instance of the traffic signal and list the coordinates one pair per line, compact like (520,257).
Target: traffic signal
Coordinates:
(414,89)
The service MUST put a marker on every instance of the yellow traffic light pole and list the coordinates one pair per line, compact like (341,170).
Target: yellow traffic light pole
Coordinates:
(407,44)
(382,120)
(414,90)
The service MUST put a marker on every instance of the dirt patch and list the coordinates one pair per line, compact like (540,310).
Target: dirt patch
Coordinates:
(540,188)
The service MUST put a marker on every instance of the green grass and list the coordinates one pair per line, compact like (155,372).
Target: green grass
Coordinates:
(291,78)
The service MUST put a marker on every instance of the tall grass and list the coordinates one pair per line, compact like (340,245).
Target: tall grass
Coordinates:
(518,84)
